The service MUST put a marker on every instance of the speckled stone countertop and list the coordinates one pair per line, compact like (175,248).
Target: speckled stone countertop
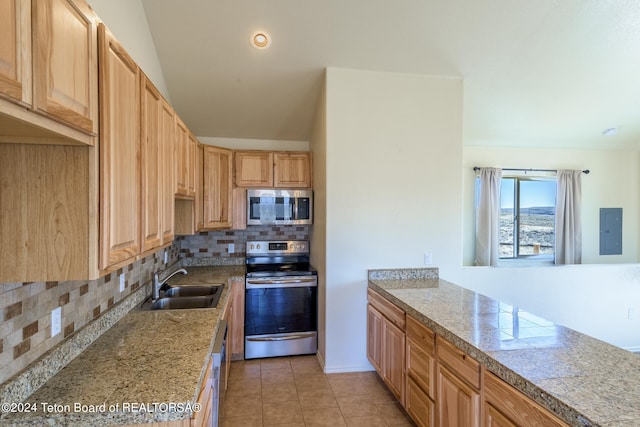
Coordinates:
(150,358)
(584,381)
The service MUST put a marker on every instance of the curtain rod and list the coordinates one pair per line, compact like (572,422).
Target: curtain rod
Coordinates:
(477,168)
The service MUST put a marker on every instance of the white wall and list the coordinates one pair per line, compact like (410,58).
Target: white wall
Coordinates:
(393,155)
(255,144)
(593,299)
(127,21)
(318,143)
(614,182)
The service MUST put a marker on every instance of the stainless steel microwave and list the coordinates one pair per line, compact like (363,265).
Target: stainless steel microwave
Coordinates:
(279,207)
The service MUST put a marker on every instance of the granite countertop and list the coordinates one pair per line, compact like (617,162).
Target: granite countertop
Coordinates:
(583,380)
(139,368)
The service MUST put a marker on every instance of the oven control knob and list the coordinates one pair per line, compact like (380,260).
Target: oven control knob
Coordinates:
(251,246)
(258,246)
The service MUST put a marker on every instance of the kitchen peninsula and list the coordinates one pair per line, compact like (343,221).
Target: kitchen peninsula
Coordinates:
(559,375)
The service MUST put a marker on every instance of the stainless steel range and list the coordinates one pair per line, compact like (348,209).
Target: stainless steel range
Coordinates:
(281,301)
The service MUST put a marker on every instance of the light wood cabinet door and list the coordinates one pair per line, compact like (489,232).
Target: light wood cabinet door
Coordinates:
(204,417)
(181,157)
(15,50)
(419,406)
(458,404)
(199,196)
(192,154)
(292,170)
(217,187)
(237,320)
(167,172)
(374,337)
(150,160)
(119,154)
(504,406)
(65,66)
(393,359)
(253,169)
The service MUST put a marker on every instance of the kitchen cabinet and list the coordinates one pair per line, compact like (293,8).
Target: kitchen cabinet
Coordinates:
(45,215)
(182,158)
(253,168)
(420,378)
(291,170)
(458,386)
(119,154)
(386,346)
(237,320)
(204,417)
(280,169)
(504,406)
(192,153)
(239,209)
(65,62)
(199,197)
(15,52)
(45,98)
(167,171)
(217,196)
(151,162)
(186,149)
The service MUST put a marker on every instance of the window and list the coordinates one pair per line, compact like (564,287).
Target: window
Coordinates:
(527,217)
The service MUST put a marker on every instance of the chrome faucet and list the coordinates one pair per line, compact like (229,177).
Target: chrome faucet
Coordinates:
(157,284)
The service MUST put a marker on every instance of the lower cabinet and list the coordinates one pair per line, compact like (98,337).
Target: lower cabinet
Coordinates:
(386,342)
(504,406)
(436,382)
(458,403)
(205,416)
(420,387)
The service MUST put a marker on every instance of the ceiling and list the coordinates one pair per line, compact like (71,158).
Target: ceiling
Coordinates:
(545,73)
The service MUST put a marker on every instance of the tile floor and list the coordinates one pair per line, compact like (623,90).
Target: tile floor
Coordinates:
(293,391)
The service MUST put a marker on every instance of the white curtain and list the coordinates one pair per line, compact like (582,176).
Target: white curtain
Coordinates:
(488,217)
(568,248)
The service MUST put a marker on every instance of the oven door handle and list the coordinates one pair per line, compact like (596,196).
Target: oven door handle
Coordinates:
(281,283)
(283,338)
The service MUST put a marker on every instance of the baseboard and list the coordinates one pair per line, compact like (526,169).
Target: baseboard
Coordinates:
(345,369)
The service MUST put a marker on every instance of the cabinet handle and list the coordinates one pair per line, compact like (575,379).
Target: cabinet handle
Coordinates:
(464,357)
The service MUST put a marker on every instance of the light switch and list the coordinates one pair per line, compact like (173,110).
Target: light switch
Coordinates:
(56,321)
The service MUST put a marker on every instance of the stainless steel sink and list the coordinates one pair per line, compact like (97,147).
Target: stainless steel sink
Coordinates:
(192,291)
(186,297)
(183,303)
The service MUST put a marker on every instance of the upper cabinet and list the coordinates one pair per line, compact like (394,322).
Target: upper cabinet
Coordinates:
(167,172)
(253,169)
(64,63)
(217,196)
(119,154)
(15,61)
(48,72)
(151,161)
(292,170)
(280,169)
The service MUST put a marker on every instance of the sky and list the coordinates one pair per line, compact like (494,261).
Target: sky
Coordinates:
(533,193)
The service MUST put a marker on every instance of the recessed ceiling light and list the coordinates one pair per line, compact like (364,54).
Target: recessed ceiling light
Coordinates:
(610,132)
(260,40)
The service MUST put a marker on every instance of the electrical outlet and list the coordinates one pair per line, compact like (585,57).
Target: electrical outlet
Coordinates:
(166,257)
(428,258)
(56,321)
(232,248)
(631,313)
(122,282)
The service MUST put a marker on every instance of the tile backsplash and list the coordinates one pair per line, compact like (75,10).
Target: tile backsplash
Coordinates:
(216,243)
(25,309)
